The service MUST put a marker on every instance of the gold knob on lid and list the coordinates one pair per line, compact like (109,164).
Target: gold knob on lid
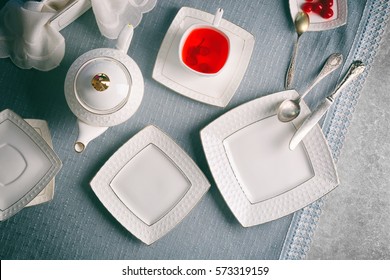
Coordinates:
(100,82)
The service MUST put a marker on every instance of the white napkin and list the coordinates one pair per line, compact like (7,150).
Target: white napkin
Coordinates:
(27,38)
(112,15)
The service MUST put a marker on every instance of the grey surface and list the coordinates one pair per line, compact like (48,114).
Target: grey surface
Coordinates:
(355,221)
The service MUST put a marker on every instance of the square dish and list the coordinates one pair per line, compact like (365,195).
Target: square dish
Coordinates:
(150,184)
(47,193)
(260,178)
(217,90)
(27,164)
(317,23)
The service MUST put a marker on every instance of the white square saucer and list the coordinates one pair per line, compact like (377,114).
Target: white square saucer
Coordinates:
(150,184)
(215,90)
(47,193)
(27,164)
(260,178)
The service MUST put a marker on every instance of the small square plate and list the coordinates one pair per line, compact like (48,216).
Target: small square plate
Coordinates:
(260,178)
(47,193)
(150,184)
(27,164)
(216,90)
(317,23)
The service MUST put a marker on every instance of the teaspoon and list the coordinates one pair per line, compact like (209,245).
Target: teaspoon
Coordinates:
(289,109)
(301,24)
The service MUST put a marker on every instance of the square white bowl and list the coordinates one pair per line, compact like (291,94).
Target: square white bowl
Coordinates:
(216,90)
(150,184)
(27,164)
(260,178)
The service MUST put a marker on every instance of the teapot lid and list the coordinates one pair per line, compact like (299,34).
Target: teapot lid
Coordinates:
(102,85)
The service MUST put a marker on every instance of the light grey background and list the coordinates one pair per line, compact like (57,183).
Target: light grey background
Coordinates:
(355,222)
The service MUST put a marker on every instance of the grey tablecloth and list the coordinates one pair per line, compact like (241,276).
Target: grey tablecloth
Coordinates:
(75,225)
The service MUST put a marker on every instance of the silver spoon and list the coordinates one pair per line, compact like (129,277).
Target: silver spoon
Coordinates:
(357,67)
(301,23)
(289,109)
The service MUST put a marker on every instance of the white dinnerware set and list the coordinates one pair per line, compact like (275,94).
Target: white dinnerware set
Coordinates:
(150,184)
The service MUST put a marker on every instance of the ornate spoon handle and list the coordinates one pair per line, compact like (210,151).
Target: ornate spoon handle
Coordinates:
(291,67)
(332,63)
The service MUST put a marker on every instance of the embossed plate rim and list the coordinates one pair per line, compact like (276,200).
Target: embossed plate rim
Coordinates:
(49,153)
(101,184)
(213,135)
(47,193)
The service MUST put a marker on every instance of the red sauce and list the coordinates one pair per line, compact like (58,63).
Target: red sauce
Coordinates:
(205,50)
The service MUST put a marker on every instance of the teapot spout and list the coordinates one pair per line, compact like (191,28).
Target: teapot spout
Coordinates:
(124,38)
(86,134)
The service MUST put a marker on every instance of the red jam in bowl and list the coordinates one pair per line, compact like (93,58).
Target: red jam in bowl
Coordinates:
(320,7)
(205,50)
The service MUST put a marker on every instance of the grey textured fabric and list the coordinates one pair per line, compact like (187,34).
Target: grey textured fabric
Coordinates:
(336,123)
(75,225)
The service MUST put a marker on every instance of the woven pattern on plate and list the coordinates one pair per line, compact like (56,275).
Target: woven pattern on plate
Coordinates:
(46,150)
(48,192)
(285,203)
(101,184)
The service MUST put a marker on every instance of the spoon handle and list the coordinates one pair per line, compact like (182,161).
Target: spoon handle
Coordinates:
(357,67)
(291,67)
(332,63)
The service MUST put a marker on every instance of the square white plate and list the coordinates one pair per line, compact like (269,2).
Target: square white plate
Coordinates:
(150,184)
(317,23)
(216,90)
(27,164)
(260,178)
(47,193)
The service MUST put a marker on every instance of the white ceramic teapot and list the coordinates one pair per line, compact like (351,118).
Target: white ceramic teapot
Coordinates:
(103,88)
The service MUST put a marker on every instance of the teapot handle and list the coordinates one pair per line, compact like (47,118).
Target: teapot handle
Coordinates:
(124,38)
